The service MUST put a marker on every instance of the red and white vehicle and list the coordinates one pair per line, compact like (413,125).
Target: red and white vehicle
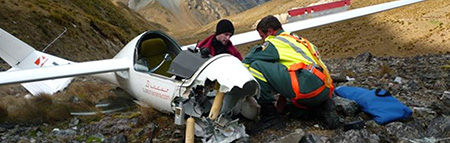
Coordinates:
(318,10)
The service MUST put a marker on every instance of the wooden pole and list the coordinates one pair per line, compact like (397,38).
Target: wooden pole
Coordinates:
(217,104)
(190,130)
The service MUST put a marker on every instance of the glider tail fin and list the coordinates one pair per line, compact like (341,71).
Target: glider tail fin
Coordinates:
(13,50)
(20,56)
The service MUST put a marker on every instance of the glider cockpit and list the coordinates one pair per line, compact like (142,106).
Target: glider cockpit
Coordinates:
(154,53)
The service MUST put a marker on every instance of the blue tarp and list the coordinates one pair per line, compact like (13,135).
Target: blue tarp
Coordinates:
(379,103)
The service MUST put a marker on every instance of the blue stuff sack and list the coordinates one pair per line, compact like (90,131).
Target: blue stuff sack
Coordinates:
(379,103)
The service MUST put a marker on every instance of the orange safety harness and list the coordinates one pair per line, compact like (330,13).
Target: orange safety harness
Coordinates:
(324,76)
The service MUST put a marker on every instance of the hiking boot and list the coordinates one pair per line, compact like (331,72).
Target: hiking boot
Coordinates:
(269,119)
(328,112)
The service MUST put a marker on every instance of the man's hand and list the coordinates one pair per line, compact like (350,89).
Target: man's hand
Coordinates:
(193,49)
(205,52)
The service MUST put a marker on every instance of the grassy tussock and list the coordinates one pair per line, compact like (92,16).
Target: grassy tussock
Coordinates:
(3,113)
(148,114)
(385,70)
(350,73)
(35,110)
(89,92)
(14,89)
(79,97)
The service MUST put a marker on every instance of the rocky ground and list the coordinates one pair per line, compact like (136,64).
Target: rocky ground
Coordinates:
(421,82)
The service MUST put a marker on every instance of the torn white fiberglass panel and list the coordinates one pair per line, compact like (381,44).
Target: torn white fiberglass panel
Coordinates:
(239,86)
(228,71)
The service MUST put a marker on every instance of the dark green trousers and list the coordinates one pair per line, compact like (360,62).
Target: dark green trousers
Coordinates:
(279,81)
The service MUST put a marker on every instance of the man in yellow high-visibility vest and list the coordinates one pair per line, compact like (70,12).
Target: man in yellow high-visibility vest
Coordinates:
(291,66)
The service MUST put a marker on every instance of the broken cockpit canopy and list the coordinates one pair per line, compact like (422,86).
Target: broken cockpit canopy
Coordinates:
(186,63)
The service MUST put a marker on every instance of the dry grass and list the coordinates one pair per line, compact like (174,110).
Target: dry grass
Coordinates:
(37,109)
(148,114)
(3,112)
(13,89)
(89,92)
(385,70)
(78,97)
(350,73)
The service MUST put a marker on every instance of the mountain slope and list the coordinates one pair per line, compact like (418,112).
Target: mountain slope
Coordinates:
(407,31)
(183,15)
(96,29)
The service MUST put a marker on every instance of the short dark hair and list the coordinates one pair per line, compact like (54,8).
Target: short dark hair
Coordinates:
(267,22)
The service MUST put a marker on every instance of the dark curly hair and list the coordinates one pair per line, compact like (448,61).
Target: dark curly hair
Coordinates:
(267,22)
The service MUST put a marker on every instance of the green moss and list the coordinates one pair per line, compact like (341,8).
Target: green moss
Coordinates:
(93,118)
(32,133)
(437,22)
(445,67)
(132,115)
(92,139)
(80,138)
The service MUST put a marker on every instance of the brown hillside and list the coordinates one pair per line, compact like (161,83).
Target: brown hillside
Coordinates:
(179,22)
(412,30)
(184,15)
